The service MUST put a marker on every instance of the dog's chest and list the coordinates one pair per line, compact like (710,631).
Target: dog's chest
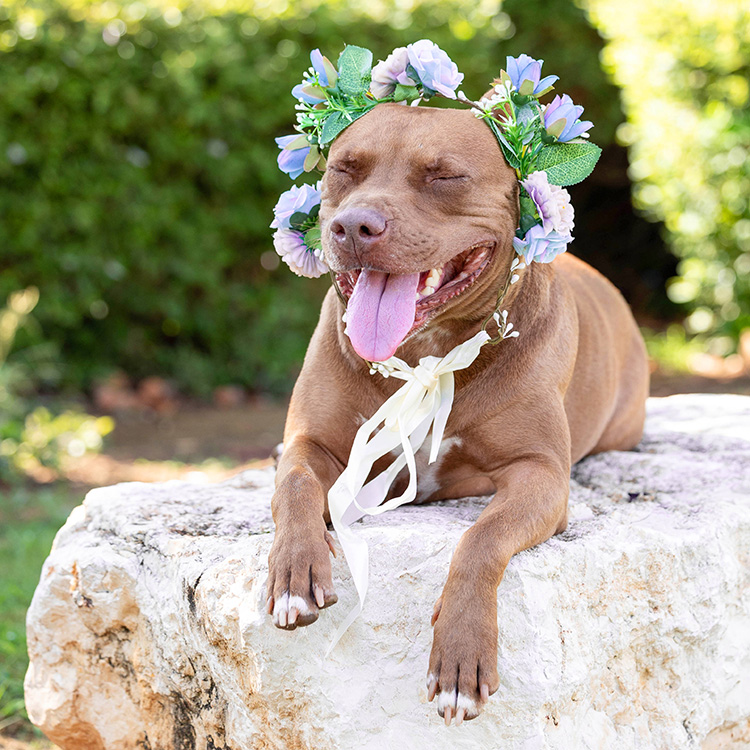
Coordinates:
(431,477)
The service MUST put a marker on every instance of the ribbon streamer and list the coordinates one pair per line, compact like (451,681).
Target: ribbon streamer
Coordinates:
(405,419)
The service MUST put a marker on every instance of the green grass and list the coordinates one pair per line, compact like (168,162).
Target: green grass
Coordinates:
(29,519)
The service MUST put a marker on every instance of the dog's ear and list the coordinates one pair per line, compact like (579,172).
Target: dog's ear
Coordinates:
(490,92)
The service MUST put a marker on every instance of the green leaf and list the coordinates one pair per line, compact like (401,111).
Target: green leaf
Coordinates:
(405,93)
(527,204)
(355,66)
(338,121)
(568,163)
(297,220)
(505,147)
(528,213)
(311,160)
(312,238)
(527,221)
(332,126)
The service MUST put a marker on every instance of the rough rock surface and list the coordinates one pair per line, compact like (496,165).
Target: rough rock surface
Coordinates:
(630,630)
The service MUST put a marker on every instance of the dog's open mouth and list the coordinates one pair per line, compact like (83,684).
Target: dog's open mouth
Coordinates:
(383,309)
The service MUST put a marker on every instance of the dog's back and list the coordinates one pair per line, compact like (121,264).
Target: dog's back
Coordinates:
(610,349)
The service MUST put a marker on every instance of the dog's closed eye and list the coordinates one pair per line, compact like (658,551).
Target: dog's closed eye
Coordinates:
(341,168)
(444,172)
(448,178)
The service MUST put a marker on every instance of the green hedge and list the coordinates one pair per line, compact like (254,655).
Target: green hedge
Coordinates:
(684,69)
(138,169)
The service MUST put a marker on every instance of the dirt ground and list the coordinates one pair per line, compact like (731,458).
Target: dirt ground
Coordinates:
(244,434)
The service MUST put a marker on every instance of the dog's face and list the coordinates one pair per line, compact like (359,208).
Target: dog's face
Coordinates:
(418,212)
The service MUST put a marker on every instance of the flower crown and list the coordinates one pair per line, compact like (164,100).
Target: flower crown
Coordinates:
(545,144)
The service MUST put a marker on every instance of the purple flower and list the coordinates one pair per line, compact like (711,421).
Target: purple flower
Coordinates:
(541,246)
(387,73)
(304,261)
(294,151)
(302,199)
(435,69)
(552,203)
(311,91)
(524,73)
(561,119)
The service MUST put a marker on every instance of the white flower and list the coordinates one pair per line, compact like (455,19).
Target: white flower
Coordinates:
(387,73)
(291,247)
(552,203)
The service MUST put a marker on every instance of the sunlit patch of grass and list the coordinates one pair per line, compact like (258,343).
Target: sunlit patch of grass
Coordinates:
(29,519)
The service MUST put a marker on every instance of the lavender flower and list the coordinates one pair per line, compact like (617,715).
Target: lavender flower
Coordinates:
(304,261)
(524,73)
(561,119)
(552,203)
(541,246)
(435,69)
(387,73)
(302,199)
(310,90)
(294,151)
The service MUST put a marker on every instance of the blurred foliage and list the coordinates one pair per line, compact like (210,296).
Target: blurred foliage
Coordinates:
(32,437)
(672,348)
(138,169)
(684,68)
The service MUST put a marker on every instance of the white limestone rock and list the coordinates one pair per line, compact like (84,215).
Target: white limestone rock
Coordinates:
(630,630)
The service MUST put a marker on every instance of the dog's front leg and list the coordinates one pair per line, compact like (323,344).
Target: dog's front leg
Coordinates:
(530,505)
(299,567)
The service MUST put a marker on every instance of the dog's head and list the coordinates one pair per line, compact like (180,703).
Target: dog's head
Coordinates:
(418,212)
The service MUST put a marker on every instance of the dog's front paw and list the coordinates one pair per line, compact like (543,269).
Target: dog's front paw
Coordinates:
(299,578)
(463,661)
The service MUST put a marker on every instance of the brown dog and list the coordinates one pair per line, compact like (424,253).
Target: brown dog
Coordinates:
(408,190)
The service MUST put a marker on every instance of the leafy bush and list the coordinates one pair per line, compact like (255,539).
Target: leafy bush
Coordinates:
(138,168)
(32,437)
(684,67)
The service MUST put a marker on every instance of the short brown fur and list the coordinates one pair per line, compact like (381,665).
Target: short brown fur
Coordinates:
(574,383)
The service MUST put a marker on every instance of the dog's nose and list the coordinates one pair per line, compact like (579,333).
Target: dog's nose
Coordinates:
(358,228)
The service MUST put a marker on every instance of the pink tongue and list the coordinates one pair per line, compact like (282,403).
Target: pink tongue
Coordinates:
(380,313)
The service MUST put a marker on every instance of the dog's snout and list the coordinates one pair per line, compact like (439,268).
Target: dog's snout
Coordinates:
(358,228)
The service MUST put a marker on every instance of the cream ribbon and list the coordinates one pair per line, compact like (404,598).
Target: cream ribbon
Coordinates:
(405,419)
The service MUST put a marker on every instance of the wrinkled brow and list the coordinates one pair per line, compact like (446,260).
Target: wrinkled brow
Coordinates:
(443,163)
(353,158)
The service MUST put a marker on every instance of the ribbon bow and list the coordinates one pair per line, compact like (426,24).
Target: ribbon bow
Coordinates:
(405,419)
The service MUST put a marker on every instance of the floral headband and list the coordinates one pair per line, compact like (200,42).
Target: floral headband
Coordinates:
(546,146)
(545,143)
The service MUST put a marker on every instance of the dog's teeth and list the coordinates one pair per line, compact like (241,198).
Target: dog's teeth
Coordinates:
(426,292)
